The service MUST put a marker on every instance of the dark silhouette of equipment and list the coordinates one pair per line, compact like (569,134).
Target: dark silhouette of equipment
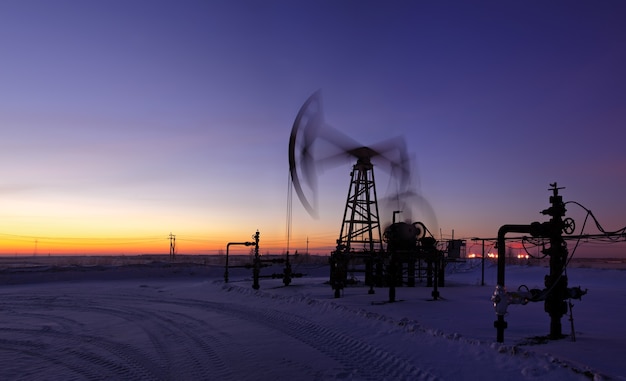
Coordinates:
(258,263)
(314,143)
(556,291)
(172,246)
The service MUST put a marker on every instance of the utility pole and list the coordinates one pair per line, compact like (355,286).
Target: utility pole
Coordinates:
(172,246)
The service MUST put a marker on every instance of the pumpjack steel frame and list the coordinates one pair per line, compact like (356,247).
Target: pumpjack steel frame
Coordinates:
(361,223)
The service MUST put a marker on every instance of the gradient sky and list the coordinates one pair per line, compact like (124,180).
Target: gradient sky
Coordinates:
(123,121)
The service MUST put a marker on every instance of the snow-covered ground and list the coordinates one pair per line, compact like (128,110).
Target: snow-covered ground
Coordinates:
(182,322)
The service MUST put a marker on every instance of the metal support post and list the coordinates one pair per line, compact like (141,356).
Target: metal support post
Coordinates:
(256,269)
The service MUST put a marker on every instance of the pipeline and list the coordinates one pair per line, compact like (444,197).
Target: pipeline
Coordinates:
(227,248)
(499,296)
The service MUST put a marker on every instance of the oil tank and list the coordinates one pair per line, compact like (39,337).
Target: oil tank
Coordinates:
(402,235)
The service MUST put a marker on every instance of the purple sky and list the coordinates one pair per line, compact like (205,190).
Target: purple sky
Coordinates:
(137,118)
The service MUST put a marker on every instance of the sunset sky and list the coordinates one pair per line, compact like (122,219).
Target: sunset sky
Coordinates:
(123,121)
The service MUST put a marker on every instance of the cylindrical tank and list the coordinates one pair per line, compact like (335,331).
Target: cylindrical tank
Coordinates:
(402,236)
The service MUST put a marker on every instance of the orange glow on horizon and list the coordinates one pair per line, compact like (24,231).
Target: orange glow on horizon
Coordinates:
(12,244)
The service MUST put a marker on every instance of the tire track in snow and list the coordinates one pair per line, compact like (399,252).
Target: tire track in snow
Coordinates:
(185,346)
(54,327)
(175,357)
(196,338)
(33,363)
(111,358)
(88,358)
(359,359)
(235,351)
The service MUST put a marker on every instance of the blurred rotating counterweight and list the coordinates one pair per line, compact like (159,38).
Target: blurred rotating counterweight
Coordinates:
(314,144)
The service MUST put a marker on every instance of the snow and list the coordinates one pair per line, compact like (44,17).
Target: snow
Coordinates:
(161,321)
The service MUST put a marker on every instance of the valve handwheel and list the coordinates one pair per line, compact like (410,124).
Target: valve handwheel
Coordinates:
(569,225)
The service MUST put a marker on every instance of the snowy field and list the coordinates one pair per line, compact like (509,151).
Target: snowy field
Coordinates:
(160,321)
